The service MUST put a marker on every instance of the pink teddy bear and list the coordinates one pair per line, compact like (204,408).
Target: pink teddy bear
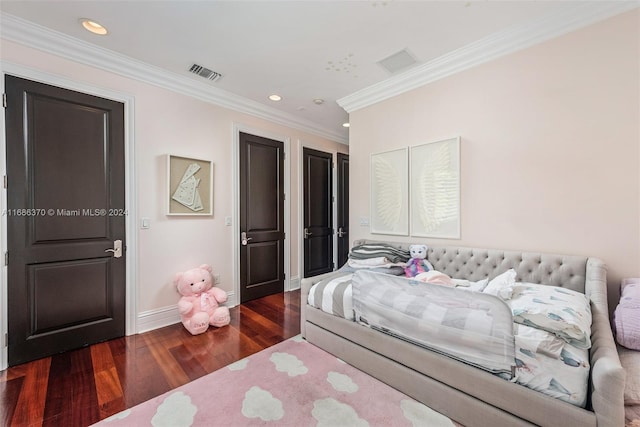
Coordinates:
(199,306)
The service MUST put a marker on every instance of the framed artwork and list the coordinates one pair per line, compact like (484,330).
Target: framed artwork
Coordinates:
(190,183)
(389,193)
(435,189)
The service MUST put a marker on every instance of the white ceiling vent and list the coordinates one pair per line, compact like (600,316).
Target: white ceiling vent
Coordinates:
(205,72)
(398,61)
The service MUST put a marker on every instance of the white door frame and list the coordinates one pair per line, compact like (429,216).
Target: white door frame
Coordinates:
(237,128)
(130,190)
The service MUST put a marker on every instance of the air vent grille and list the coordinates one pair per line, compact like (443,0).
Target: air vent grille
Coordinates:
(398,61)
(205,72)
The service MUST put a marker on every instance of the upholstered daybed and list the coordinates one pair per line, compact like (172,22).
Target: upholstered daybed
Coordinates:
(465,393)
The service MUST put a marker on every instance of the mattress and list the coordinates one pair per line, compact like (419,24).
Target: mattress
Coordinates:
(534,358)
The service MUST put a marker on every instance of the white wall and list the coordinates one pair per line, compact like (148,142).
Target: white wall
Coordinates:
(549,146)
(168,122)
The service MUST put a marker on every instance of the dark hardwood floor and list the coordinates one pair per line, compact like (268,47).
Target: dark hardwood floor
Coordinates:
(81,387)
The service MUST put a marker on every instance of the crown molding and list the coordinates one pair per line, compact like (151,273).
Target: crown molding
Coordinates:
(569,18)
(36,36)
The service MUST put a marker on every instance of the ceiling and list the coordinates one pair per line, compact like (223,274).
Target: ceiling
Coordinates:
(300,50)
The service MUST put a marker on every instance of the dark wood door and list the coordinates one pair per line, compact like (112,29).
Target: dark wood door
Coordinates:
(261,217)
(342,208)
(65,209)
(318,215)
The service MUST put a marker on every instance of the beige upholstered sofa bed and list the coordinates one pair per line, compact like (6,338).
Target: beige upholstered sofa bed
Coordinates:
(466,394)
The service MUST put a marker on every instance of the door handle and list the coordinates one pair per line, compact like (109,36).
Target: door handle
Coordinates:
(341,232)
(117,249)
(306,233)
(244,239)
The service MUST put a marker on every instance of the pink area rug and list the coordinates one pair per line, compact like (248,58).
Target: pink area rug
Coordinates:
(293,383)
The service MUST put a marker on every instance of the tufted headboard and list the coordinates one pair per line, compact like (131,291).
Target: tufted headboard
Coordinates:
(476,264)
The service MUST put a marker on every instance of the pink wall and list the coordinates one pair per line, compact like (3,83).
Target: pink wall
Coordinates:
(549,146)
(167,122)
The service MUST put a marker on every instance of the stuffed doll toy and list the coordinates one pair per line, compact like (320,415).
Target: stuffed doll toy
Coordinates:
(199,305)
(418,262)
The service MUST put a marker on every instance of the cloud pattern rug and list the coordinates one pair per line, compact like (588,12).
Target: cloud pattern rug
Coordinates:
(293,383)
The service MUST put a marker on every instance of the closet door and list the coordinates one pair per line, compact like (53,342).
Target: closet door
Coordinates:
(318,213)
(66,219)
(261,217)
(342,208)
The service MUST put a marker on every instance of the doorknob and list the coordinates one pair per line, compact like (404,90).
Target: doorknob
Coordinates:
(117,249)
(244,239)
(306,233)
(341,232)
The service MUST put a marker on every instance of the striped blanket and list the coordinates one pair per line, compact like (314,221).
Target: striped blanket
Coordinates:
(333,296)
(375,250)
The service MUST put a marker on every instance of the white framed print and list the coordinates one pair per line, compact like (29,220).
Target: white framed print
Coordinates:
(435,189)
(190,183)
(389,205)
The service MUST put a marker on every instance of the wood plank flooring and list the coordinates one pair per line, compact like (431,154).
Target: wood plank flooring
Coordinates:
(81,387)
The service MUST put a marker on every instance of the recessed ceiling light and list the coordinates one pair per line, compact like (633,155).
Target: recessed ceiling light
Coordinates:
(275,97)
(318,101)
(346,125)
(93,26)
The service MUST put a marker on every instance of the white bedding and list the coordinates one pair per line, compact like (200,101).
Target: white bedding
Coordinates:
(563,312)
(551,366)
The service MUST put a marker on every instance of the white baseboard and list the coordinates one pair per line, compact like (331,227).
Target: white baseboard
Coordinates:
(232,301)
(294,283)
(158,318)
(165,316)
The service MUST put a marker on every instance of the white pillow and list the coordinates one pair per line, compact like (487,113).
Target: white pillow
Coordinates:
(502,285)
